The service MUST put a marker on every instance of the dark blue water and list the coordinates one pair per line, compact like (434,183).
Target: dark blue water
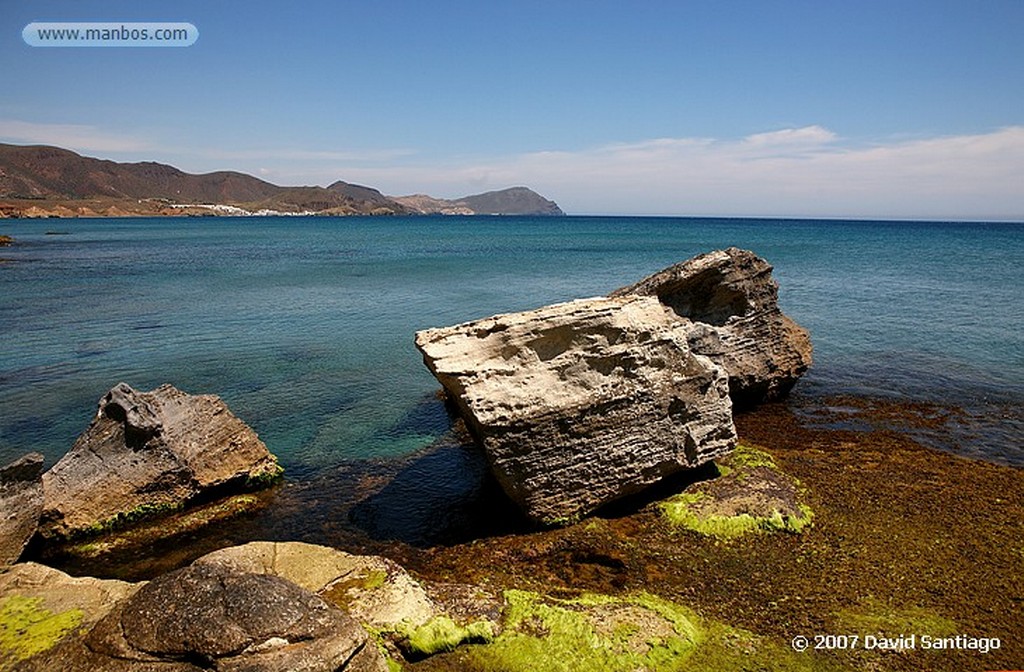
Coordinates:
(305,325)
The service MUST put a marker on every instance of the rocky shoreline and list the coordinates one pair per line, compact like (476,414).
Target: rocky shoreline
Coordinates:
(613,512)
(903,538)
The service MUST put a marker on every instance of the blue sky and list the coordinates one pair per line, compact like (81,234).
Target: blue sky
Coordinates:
(720,107)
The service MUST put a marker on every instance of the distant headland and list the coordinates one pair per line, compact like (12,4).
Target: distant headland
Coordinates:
(44,181)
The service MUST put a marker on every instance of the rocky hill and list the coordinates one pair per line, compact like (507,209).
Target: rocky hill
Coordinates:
(513,201)
(39,179)
(42,181)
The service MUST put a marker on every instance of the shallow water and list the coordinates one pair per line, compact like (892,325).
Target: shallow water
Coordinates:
(305,325)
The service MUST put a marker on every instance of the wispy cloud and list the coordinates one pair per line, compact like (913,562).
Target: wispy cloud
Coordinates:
(809,171)
(303,155)
(806,136)
(78,137)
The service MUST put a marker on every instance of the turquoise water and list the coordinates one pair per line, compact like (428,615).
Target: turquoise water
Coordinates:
(305,325)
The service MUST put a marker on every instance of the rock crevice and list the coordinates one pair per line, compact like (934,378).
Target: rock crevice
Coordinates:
(732,301)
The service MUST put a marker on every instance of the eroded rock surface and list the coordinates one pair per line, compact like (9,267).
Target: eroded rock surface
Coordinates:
(21,503)
(733,302)
(377,592)
(146,451)
(374,590)
(213,617)
(260,606)
(580,403)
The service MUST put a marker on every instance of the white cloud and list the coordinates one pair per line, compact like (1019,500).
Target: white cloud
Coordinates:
(300,155)
(77,137)
(807,171)
(808,135)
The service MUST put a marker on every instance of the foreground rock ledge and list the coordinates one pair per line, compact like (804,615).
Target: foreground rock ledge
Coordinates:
(259,607)
(150,451)
(580,403)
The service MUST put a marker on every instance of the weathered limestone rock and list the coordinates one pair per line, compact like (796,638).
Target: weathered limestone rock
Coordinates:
(733,301)
(147,451)
(212,617)
(21,503)
(580,403)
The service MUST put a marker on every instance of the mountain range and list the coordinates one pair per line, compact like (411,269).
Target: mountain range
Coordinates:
(40,181)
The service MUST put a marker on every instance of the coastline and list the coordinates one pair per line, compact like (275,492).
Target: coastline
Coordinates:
(903,536)
(158,208)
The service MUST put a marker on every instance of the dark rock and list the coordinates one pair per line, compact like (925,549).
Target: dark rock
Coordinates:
(21,503)
(373,590)
(732,298)
(150,451)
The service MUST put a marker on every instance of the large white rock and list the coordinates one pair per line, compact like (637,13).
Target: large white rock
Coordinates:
(580,403)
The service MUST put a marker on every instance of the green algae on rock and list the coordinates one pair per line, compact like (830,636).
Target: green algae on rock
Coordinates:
(623,634)
(751,495)
(872,616)
(596,632)
(441,633)
(27,628)
(142,530)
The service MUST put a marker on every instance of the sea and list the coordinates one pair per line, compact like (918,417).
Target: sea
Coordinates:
(305,325)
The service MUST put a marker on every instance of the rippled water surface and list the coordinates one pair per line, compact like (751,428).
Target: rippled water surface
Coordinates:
(305,325)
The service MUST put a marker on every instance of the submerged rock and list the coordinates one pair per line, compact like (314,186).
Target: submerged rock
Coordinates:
(21,502)
(580,403)
(733,303)
(150,451)
(750,496)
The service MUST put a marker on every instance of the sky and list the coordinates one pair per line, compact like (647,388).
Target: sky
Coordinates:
(784,108)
